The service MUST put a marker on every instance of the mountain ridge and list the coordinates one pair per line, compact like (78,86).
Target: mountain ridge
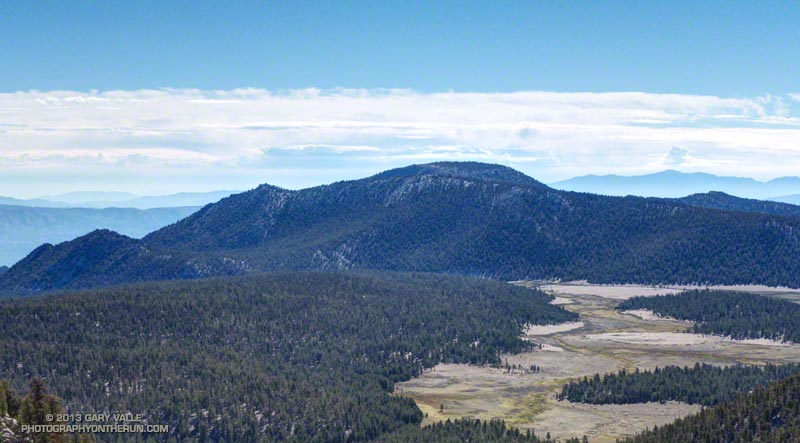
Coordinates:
(469,219)
(727,202)
(100,258)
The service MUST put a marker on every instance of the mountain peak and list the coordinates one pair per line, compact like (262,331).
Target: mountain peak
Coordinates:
(475,171)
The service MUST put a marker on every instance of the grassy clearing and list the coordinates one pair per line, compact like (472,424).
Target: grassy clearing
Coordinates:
(528,400)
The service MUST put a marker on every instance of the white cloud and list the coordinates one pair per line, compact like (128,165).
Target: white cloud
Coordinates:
(677,156)
(255,133)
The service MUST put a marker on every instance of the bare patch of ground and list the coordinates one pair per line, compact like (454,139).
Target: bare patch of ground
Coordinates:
(607,341)
(624,292)
(534,330)
(677,339)
(561,301)
(618,292)
(603,423)
(653,338)
(646,314)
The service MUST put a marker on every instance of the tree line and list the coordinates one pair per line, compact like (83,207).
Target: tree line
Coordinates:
(739,315)
(702,384)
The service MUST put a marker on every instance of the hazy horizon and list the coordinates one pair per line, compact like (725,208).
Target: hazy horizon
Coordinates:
(292,95)
(97,195)
(116,194)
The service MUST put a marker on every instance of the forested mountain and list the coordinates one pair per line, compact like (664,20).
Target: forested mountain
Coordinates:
(461,218)
(768,414)
(702,384)
(103,258)
(298,357)
(721,200)
(739,315)
(22,229)
(3,269)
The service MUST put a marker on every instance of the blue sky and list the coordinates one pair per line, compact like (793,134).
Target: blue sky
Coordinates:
(726,48)
(157,97)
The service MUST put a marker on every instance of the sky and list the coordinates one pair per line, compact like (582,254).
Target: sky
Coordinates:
(161,97)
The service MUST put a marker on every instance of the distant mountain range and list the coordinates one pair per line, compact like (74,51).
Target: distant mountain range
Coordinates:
(22,228)
(459,218)
(792,199)
(34,202)
(76,198)
(672,184)
(100,199)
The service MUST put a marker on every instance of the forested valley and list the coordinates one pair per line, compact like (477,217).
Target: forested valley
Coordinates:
(303,357)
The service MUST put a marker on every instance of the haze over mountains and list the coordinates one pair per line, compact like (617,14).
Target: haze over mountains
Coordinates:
(793,199)
(27,224)
(23,228)
(79,197)
(102,199)
(460,218)
(34,202)
(673,184)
